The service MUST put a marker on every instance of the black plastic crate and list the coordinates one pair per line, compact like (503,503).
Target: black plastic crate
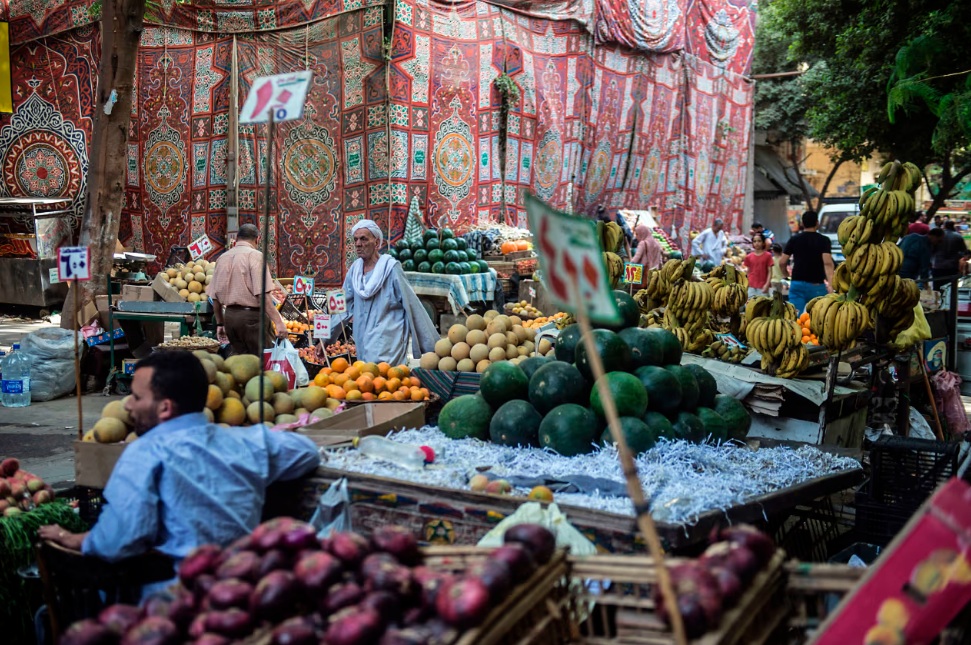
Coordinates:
(906,471)
(878,522)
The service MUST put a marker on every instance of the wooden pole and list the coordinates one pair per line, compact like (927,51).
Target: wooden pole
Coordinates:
(266,248)
(232,150)
(77,362)
(938,431)
(641,507)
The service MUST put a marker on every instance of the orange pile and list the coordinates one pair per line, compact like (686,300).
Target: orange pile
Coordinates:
(542,320)
(362,381)
(510,246)
(808,337)
(296,327)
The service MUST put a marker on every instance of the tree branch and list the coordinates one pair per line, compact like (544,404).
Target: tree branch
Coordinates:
(829,178)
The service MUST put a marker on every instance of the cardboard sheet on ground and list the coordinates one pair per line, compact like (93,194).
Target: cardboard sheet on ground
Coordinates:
(734,378)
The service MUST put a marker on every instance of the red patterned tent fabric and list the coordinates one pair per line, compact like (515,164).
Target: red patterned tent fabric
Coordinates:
(598,121)
(653,26)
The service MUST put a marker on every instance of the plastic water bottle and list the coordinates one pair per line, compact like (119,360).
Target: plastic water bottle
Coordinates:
(15,383)
(405,455)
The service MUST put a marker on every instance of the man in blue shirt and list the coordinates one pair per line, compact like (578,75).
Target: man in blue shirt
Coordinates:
(185,482)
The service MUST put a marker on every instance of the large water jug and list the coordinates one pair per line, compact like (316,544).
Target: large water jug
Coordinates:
(15,383)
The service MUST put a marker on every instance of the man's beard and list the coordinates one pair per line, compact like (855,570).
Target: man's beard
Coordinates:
(144,424)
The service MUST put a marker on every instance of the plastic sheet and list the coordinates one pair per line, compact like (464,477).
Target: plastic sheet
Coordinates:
(51,354)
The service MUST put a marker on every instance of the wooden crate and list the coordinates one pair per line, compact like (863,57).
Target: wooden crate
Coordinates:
(615,604)
(813,591)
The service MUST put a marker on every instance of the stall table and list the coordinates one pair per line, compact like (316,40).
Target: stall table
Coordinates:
(450,516)
(32,234)
(459,290)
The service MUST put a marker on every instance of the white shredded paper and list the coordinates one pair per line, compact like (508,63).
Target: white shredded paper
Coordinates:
(682,480)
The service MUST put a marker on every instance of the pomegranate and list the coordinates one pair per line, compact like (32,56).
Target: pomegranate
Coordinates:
(538,540)
(316,571)
(228,593)
(9,466)
(340,596)
(295,631)
(88,632)
(430,582)
(752,539)
(349,548)
(244,565)
(463,603)
(384,603)
(153,630)
(211,639)
(521,564)
(299,537)
(275,596)
(391,577)
(399,542)
(495,575)
(355,627)
(202,560)
(119,618)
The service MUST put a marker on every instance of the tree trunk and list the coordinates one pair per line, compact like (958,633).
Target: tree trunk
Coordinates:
(825,186)
(121,29)
(948,183)
(803,185)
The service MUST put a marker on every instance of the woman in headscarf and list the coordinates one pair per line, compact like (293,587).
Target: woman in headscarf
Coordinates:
(649,251)
(387,314)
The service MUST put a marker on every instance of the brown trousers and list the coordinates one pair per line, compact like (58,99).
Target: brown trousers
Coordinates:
(242,329)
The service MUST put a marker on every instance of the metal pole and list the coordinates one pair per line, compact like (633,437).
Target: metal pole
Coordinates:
(266,250)
(77,363)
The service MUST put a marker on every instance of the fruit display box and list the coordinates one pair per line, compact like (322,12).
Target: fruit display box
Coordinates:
(446,516)
(93,462)
(615,604)
(919,583)
(448,385)
(365,419)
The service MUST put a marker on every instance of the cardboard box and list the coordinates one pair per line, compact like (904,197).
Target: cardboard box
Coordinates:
(101,302)
(128,366)
(165,291)
(93,462)
(365,419)
(104,338)
(919,584)
(133,292)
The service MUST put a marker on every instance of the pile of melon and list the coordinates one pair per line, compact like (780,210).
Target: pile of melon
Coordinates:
(232,399)
(190,280)
(482,341)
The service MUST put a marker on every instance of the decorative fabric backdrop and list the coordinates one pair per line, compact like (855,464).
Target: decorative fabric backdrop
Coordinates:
(621,104)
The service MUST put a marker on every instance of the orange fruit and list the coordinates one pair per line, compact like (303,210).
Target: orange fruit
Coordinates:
(335,392)
(380,383)
(424,391)
(321,380)
(541,494)
(359,364)
(351,386)
(326,370)
(398,396)
(339,379)
(383,368)
(393,384)
(405,370)
(385,396)
(371,368)
(339,364)
(406,382)
(353,372)
(416,394)
(368,396)
(404,389)
(355,395)
(365,384)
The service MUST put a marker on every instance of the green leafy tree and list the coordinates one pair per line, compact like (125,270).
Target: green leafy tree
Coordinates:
(850,51)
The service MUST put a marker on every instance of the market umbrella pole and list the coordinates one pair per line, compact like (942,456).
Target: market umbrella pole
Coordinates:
(77,362)
(641,507)
(266,251)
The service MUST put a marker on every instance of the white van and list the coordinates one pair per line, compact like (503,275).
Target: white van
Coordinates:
(830,217)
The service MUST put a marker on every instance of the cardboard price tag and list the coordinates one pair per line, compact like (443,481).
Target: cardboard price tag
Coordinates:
(532,292)
(572,261)
(633,273)
(336,304)
(303,286)
(322,327)
(73,263)
(200,247)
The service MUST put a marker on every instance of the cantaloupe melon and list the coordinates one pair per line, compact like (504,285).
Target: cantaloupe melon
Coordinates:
(214,398)
(465,365)
(460,351)
(476,337)
(116,410)
(282,403)
(429,361)
(253,412)
(231,412)
(243,367)
(447,364)
(257,383)
(443,347)
(109,430)
(475,322)
(478,353)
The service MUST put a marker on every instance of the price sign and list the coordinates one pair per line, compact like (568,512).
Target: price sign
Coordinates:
(200,247)
(322,326)
(532,292)
(52,276)
(303,286)
(335,302)
(572,261)
(73,263)
(283,94)
(633,273)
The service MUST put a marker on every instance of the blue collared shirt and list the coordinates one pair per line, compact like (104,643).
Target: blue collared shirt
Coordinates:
(188,482)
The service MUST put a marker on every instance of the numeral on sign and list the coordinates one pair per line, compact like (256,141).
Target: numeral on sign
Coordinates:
(303,286)
(73,263)
(200,247)
(322,326)
(336,304)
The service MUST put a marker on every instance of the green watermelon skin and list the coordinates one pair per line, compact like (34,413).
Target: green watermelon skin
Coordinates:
(515,423)
(466,416)
(569,430)
(638,436)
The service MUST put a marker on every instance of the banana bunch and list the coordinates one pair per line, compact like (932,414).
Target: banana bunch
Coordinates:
(856,230)
(659,281)
(694,335)
(644,301)
(870,262)
(690,300)
(837,320)
(895,312)
(615,267)
(891,204)
(761,306)
(772,337)
(565,321)
(730,288)
(725,352)
(653,318)
(793,362)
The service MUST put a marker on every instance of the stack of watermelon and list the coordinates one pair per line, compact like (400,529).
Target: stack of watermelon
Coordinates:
(438,252)
(553,403)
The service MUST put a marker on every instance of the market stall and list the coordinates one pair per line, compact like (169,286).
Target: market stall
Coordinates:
(31,229)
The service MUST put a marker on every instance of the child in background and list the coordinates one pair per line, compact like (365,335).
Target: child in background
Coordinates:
(759,264)
(777,280)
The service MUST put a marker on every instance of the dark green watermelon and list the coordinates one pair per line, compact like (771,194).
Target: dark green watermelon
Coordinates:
(566,343)
(436,255)
(659,424)
(433,245)
(646,348)
(663,388)
(408,265)
(637,434)
(707,387)
(628,394)
(466,416)
(689,386)
(613,351)
(555,384)
(689,427)
(670,346)
(569,429)
(533,363)
(515,423)
(630,313)
(502,382)
(715,426)
(424,267)
(736,417)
